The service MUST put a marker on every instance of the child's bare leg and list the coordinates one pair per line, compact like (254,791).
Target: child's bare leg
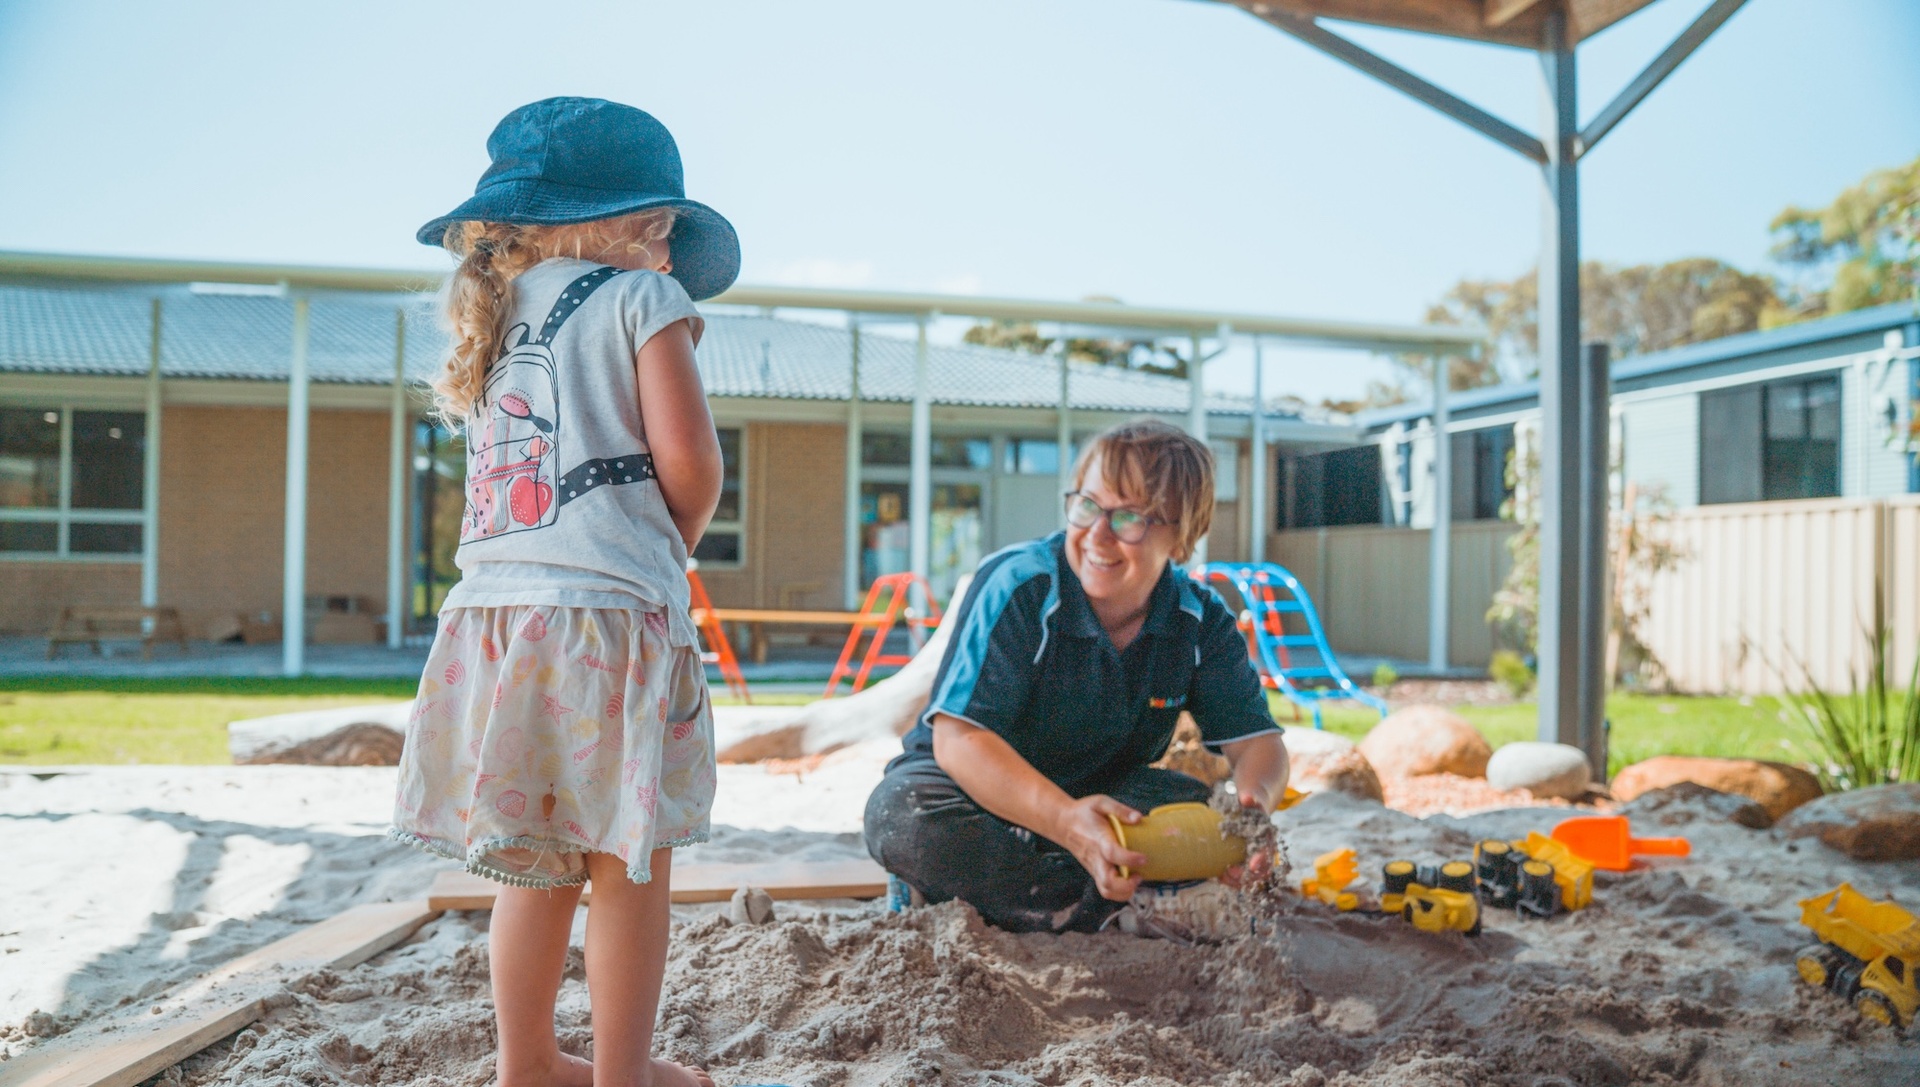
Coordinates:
(527,946)
(626,959)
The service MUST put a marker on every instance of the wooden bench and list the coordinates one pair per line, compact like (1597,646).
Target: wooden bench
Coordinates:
(757,620)
(89,623)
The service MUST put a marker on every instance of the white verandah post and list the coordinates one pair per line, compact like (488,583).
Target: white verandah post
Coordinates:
(1440,549)
(293,597)
(920,472)
(1063,435)
(850,571)
(399,453)
(1257,468)
(150,485)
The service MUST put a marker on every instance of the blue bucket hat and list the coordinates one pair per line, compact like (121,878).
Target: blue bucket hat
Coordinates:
(573,160)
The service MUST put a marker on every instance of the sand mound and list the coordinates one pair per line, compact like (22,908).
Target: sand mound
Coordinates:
(1680,973)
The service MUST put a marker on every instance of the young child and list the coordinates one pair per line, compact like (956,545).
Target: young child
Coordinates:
(562,731)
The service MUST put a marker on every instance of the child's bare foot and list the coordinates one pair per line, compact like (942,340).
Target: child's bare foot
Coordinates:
(572,1071)
(669,1074)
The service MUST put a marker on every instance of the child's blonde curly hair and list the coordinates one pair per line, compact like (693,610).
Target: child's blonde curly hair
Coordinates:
(478,296)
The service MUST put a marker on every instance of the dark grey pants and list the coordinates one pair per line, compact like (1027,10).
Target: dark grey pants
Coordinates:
(924,828)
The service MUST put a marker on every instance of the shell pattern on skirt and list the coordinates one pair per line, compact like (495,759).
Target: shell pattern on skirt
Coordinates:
(541,734)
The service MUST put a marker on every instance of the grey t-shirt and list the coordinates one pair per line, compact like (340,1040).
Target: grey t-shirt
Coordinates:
(562,504)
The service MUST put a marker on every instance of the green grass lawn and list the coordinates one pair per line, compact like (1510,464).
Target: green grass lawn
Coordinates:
(184,721)
(1643,726)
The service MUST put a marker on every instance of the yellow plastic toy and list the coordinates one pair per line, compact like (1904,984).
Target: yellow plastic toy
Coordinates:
(1574,875)
(1181,842)
(1332,872)
(1867,954)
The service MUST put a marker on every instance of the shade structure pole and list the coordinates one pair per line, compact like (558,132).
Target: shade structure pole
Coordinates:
(850,526)
(150,482)
(1440,543)
(1197,422)
(1560,643)
(1257,466)
(920,471)
(399,452)
(293,597)
(1596,425)
(1063,437)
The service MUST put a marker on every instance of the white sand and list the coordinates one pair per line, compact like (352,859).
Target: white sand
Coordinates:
(125,881)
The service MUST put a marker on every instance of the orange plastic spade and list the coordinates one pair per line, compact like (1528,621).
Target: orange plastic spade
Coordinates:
(1606,842)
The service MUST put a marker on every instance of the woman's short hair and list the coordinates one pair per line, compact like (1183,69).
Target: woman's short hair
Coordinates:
(1160,470)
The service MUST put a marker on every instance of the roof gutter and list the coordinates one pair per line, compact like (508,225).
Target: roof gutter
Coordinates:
(54,269)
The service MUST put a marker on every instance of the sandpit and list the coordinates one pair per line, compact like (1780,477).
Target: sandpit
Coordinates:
(1680,973)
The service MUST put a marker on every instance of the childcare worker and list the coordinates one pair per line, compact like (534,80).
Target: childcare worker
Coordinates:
(1072,658)
(562,731)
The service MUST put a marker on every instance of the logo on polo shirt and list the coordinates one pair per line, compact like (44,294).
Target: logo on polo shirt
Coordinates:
(1171,702)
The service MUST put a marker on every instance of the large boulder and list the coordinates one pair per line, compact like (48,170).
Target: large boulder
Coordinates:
(1775,786)
(1881,823)
(350,736)
(1320,762)
(1426,740)
(1545,770)
(887,708)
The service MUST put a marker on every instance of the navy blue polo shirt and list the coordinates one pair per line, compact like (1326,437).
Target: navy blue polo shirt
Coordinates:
(1030,661)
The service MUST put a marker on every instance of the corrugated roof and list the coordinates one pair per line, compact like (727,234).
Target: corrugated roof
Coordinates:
(352,342)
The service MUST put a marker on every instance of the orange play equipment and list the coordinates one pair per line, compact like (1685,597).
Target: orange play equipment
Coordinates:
(718,650)
(887,602)
(1605,841)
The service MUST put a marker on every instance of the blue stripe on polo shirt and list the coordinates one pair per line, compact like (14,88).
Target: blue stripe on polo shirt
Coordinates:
(1001,575)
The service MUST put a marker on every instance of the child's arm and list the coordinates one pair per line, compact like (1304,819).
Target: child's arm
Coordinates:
(680,435)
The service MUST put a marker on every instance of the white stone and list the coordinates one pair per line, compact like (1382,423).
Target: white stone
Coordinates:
(1545,770)
(1312,741)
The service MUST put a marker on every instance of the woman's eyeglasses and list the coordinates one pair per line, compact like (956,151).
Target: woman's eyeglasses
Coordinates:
(1128,526)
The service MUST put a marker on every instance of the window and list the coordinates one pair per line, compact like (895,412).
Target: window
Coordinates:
(725,541)
(72,483)
(1226,471)
(883,449)
(1337,488)
(1480,473)
(1771,441)
(1033,457)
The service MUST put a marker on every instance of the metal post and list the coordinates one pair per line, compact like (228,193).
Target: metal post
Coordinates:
(293,597)
(150,485)
(1197,423)
(920,473)
(399,454)
(1560,521)
(1257,467)
(1063,438)
(1596,426)
(850,526)
(1440,543)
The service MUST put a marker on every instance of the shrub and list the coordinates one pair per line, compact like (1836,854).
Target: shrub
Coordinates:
(1871,734)
(1511,670)
(1384,675)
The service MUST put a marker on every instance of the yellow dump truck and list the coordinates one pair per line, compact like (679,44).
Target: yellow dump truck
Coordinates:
(1867,953)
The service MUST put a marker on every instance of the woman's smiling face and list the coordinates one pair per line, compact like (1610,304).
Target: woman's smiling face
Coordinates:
(1116,574)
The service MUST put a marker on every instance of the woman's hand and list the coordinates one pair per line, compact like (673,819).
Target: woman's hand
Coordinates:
(1082,828)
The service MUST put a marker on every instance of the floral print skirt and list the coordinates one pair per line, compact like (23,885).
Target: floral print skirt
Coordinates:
(541,734)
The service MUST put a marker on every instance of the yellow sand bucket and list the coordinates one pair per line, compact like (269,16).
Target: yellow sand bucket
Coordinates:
(1181,842)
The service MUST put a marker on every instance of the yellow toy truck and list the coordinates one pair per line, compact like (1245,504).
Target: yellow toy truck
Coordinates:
(1867,954)
(1332,872)
(1432,898)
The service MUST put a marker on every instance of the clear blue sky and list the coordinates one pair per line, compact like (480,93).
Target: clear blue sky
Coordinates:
(1162,151)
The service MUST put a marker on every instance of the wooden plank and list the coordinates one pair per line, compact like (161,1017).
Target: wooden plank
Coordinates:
(124,1049)
(787,881)
(1502,12)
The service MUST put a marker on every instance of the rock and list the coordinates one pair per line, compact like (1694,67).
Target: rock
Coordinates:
(1426,740)
(1775,786)
(750,906)
(1543,769)
(1320,761)
(1880,823)
(1685,801)
(1187,755)
(887,708)
(351,736)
